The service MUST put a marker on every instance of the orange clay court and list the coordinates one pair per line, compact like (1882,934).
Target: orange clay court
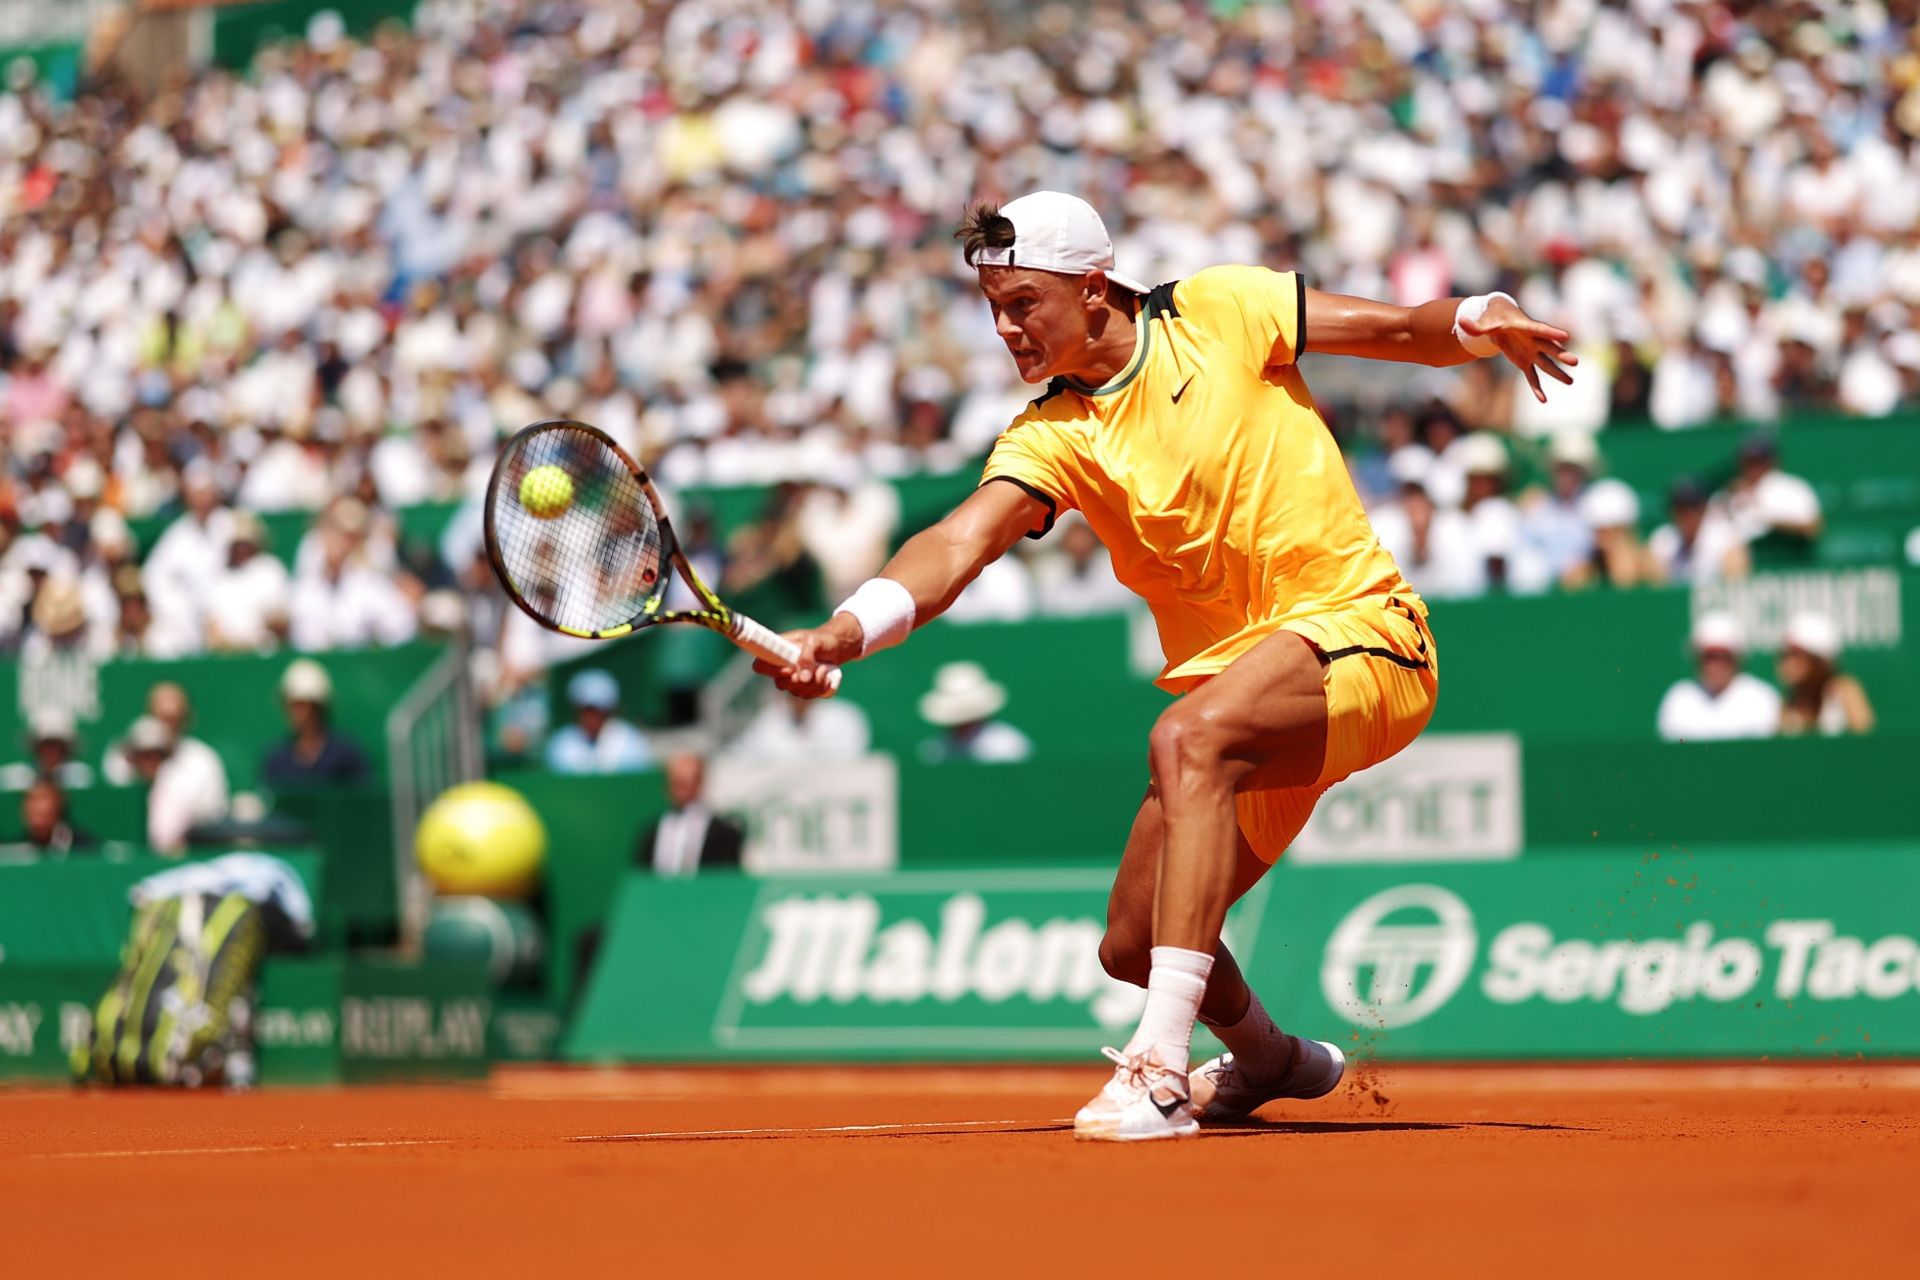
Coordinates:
(1703,1169)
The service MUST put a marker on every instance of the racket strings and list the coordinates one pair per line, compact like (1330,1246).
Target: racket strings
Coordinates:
(592,561)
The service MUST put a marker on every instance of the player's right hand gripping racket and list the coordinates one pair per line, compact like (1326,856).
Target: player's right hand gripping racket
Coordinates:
(578,537)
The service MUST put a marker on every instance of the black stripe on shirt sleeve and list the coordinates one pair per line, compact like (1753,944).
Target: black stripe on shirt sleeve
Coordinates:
(1300,319)
(1053,508)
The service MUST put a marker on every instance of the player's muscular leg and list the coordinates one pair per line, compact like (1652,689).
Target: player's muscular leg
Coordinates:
(1262,721)
(1125,951)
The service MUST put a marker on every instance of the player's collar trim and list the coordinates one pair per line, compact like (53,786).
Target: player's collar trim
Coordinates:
(1142,339)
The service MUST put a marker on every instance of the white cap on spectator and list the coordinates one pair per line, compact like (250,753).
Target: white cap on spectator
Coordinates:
(1786,504)
(1718,632)
(1610,504)
(51,724)
(1053,231)
(1482,454)
(306,681)
(1410,463)
(1812,633)
(148,734)
(1574,449)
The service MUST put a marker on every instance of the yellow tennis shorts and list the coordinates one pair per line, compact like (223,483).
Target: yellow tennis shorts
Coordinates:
(1382,675)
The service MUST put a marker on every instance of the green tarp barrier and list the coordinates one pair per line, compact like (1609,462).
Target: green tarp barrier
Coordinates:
(73,912)
(236,700)
(1787,951)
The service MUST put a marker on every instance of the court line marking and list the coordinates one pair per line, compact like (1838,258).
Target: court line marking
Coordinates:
(234,1151)
(904,1126)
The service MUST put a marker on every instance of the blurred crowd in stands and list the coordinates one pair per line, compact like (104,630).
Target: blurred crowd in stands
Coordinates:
(721,230)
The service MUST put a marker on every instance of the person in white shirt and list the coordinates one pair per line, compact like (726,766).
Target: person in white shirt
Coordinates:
(690,837)
(1433,545)
(846,523)
(962,704)
(1820,697)
(1507,561)
(790,730)
(346,604)
(1698,543)
(191,552)
(1722,701)
(186,788)
(598,740)
(1764,500)
(247,607)
(1076,579)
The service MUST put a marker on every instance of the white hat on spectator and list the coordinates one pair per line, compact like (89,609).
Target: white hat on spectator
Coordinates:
(1574,449)
(1410,463)
(148,734)
(51,724)
(1610,504)
(306,681)
(1813,633)
(962,693)
(1786,504)
(1718,632)
(84,478)
(108,530)
(1482,454)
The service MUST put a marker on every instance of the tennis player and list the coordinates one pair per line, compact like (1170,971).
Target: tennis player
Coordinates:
(1176,420)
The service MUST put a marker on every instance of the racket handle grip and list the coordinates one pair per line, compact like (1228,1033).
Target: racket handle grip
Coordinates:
(772,646)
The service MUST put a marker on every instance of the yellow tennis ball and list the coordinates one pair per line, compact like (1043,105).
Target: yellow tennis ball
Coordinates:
(546,492)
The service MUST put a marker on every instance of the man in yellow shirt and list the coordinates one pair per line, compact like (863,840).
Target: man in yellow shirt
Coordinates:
(1175,419)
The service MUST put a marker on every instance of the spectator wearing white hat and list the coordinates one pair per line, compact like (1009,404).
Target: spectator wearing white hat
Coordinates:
(1764,501)
(247,610)
(52,740)
(1820,697)
(1552,522)
(598,740)
(182,790)
(1507,561)
(1433,545)
(315,754)
(1611,511)
(1722,701)
(962,704)
(1698,543)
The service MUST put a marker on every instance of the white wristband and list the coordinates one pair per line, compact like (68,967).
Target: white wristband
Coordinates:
(885,611)
(1476,344)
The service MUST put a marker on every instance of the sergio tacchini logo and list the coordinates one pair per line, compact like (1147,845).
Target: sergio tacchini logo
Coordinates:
(1376,974)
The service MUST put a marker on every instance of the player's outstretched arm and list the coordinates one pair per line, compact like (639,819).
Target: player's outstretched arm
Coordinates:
(1447,331)
(922,579)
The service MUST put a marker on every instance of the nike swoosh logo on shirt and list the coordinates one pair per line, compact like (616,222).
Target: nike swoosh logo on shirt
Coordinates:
(1183,388)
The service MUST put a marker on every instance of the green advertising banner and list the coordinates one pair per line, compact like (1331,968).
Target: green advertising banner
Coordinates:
(1736,952)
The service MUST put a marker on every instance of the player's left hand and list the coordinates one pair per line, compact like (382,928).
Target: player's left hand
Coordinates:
(1529,344)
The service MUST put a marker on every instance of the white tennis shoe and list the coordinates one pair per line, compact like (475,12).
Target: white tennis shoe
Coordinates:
(1220,1091)
(1146,1099)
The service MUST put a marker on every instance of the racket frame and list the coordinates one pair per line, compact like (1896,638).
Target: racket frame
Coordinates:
(715,615)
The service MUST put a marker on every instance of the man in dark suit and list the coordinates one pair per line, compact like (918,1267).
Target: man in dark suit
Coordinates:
(689,837)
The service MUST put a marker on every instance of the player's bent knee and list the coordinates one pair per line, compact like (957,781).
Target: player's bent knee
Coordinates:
(1185,750)
(1125,959)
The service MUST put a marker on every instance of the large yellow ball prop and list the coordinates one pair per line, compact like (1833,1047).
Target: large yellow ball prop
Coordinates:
(546,491)
(481,838)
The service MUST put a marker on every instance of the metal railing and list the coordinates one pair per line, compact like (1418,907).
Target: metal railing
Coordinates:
(433,743)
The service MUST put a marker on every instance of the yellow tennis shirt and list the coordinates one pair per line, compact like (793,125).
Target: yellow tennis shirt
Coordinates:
(1208,473)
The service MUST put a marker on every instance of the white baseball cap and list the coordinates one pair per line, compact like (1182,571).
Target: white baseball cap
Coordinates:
(1718,632)
(1812,633)
(1053,231)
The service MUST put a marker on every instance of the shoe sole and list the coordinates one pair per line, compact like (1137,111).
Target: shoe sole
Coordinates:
(1213,1116)
(1112,1134)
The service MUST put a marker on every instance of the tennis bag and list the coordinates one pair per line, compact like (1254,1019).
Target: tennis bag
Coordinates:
(180,1011)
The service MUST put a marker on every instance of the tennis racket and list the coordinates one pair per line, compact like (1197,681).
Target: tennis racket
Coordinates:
(580,541)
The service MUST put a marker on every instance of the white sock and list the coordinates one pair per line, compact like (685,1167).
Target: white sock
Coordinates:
(1262,1050)
(1175,986)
